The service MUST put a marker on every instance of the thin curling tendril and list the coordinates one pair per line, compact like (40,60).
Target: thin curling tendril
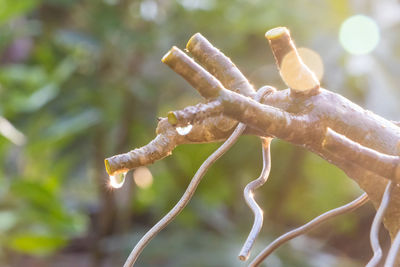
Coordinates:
(376,223)
(249,198)
(393,251)
(361,200)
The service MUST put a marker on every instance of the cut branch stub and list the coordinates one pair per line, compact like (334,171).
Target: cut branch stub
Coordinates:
(297,76)
(192,72)
(219,65)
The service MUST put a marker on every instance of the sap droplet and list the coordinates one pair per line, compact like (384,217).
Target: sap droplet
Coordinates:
(117,180)
(184,130)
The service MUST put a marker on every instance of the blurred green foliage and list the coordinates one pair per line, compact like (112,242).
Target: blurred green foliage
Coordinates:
(82,80)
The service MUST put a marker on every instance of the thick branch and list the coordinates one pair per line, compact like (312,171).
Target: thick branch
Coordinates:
(303,119)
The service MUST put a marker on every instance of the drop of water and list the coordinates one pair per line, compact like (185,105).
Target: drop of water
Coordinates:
(117,180)
(184,130)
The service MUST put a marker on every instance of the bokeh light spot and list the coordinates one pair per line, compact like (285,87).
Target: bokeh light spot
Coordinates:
(143,177)
(359,35)
(304,74)
(149,10)
(312,60)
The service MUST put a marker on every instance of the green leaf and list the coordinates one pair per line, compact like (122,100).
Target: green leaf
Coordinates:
(74,124)
(23,75)
(64,70)
(38,99)
(36,244)
(36,194)
(12,8)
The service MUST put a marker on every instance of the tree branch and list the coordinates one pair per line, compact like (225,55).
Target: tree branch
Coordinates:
(301,119)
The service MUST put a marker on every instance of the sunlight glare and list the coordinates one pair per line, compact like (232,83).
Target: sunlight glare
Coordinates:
(149,10)
(312,60)
(301,75)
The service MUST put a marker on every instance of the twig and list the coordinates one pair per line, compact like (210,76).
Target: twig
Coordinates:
(212,129)
(393,252)
(249,197)
(307,227)
(376,224)
(157,149)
